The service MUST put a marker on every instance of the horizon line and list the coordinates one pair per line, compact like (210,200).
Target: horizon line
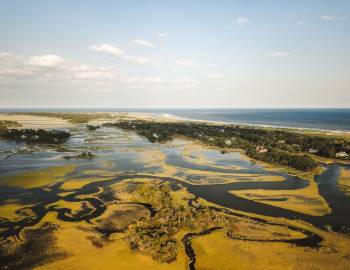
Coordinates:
(165,108)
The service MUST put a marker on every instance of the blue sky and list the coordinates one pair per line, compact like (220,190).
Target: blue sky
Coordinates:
(174,53)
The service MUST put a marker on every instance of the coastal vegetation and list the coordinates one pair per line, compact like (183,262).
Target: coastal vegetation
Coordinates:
(35,135)
(286,148)
(344,181)
(38,247)
(5,124)
(155,236)
(92,127)
(216,251)
(176,206)
(83,155)
(146,220)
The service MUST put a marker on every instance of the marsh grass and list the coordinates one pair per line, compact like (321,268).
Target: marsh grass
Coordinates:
(75,118)
(344,181)
(38,247)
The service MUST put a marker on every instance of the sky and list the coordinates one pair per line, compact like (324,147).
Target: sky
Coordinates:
(174,54)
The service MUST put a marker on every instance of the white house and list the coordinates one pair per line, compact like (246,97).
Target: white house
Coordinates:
(261,149)
(342,154)
(313,151)
(228,142)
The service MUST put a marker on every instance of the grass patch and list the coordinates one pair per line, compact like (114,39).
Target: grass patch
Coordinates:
(37,178)
(344,181)
(216,251)
(75,118)
(39,247)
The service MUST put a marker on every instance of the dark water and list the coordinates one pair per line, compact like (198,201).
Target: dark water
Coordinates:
(324,119)
(126,152)
(338,219)
(129,157)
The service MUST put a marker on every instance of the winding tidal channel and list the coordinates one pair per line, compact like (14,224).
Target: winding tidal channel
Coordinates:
(127,156)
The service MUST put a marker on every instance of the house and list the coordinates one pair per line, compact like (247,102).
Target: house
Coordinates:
(313,151)
(341,154)
(261,149)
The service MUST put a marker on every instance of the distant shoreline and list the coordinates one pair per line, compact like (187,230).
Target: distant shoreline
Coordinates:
(175,117)
(164,116)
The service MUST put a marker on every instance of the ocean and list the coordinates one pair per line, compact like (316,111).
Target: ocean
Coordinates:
(320,119)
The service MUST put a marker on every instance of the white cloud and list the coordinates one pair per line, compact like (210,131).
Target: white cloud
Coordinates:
(327,18)
(107,48)
(186,80)
(186,63)
(6,55)
(162,35)
(142,43)
(280,54)
(42,72)
(145,80)
(184,83)
(332,18)
(216,76)
(137,59)
(300,23)
(12,65)
(48,60)
(242,20)
(110,49)
(156,82)
(209,65)
(82,72)
(51,68)
(9,58)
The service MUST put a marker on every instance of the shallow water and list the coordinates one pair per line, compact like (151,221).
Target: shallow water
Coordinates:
(124,155)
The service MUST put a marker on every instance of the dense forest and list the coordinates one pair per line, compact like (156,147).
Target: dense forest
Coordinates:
(35,136)
(282,147)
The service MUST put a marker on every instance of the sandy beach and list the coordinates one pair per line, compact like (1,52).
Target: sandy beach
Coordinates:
(35,122)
